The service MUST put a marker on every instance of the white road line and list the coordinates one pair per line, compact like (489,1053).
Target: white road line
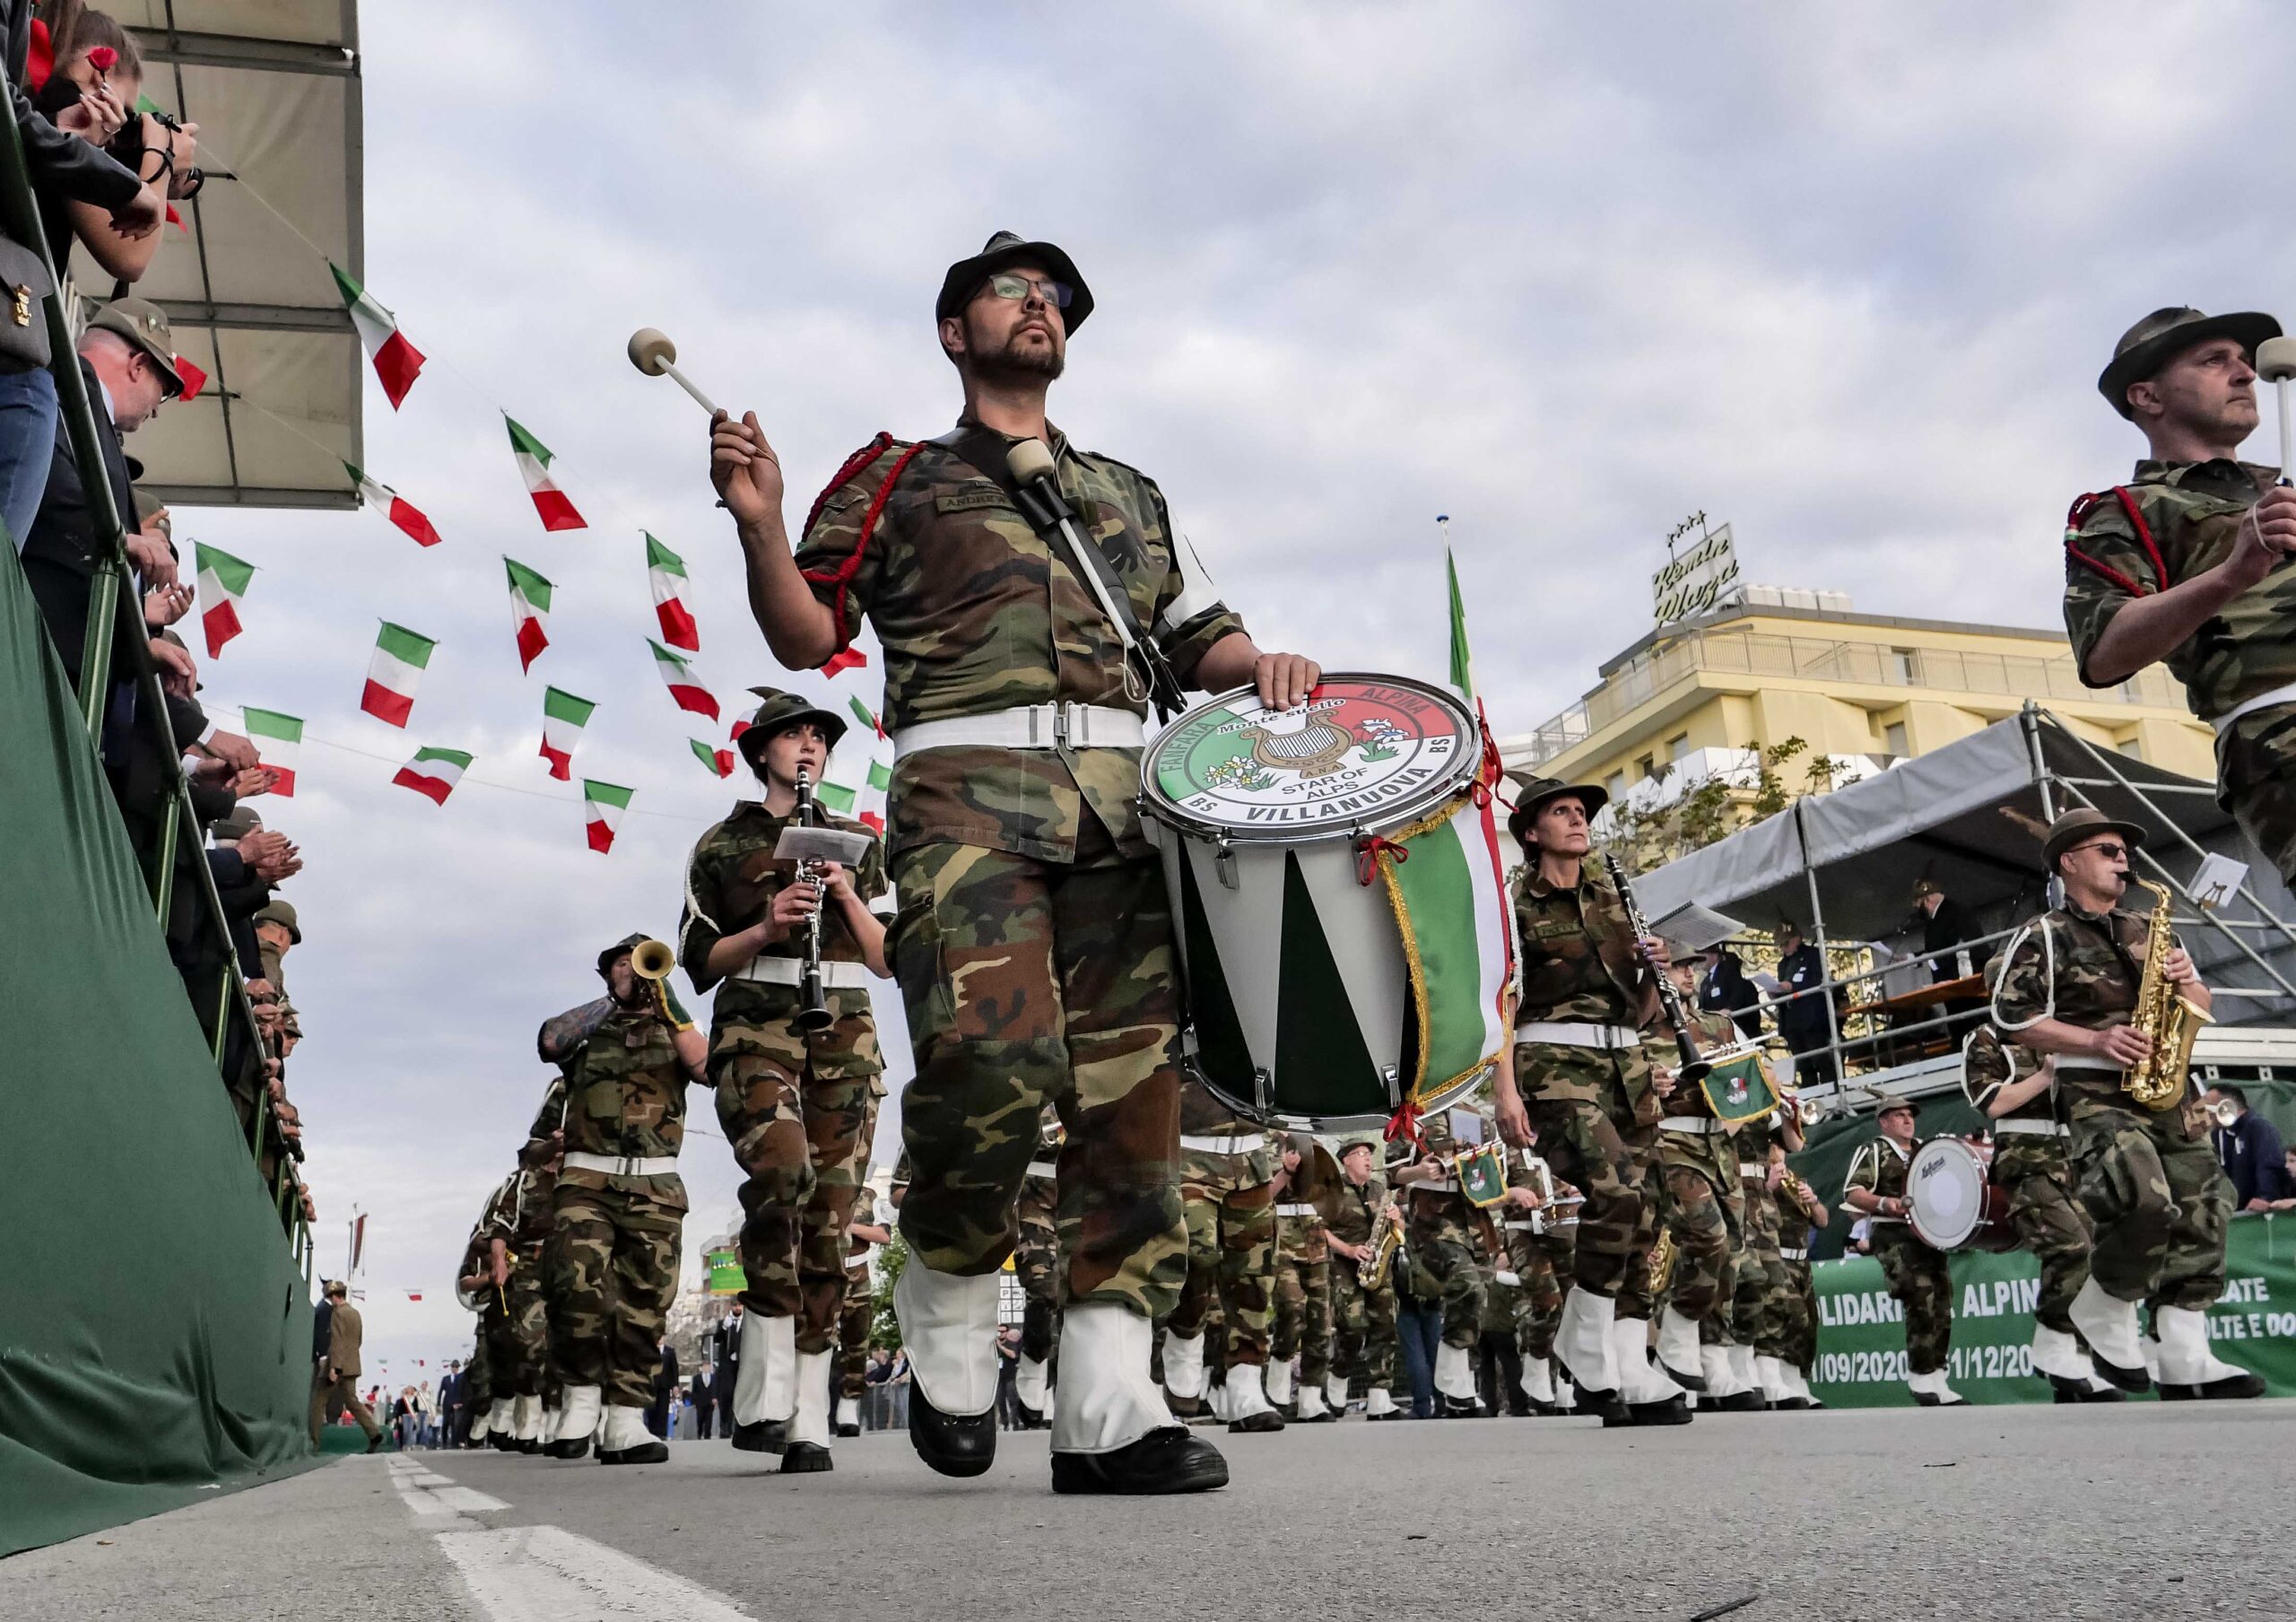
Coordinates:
(544,1574)
(429,1495)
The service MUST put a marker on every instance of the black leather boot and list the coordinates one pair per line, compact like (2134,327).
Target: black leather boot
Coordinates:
(1168,1459)
(804,1458)
(955,1444)
(762,1436)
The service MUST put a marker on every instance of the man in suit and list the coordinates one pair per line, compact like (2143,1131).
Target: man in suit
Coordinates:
(726,1353)
(665,1381)
(337,1384)
(704,1403)
(450,1403)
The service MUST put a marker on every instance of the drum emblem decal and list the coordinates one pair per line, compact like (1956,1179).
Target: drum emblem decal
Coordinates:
(1312,750)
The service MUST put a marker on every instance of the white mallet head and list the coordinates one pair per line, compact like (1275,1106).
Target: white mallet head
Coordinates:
(651,351)
(2276,359)
(1029,461)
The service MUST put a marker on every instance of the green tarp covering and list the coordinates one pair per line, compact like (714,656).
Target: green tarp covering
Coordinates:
(1861,1331)
(154,1336)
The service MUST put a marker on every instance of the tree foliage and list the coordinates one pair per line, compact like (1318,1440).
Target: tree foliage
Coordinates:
(1716,805)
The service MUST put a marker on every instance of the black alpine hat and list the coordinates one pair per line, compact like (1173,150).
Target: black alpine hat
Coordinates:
(1001,252)
(2083,823)
(777,712)
(2165,334)
(622,948)
(1532,793)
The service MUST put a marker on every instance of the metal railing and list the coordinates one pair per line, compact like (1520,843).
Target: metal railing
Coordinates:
(1846,663)
(116,624)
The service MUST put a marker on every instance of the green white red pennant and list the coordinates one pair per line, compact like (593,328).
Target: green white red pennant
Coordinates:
(394,507)
(838,798)
(665,573)
(845,659)
(603,805)
(718,761)
(677,673)
(223,582)
(534,457)
(396,361)
(401,656)
(529,609)
(868,716)
(278,741)
(434,773)
(563,717)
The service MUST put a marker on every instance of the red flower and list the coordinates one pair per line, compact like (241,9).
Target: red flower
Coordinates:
(103,59)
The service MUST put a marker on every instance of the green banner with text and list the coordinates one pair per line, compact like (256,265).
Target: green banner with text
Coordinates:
(1861,1331)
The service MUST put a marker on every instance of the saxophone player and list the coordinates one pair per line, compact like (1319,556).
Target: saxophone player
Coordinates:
(2070,986)
(1363,1315)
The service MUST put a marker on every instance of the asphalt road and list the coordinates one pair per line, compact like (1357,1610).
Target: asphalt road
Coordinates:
(2140,1510)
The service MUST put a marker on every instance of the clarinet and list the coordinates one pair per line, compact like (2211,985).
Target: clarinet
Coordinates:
(815,1015)
(1694,1065)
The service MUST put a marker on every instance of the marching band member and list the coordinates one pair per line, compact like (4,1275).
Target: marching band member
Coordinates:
(1919,1276)
(1302,1291)
(1445,1239)
(1036,1263)
(1228,1201)
(1539,1247)
(1363,1315)
(1794,1322)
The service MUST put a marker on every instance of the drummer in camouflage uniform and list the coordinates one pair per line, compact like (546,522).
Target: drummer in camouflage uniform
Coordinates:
(1363,1316)
(799,1108)
(1034,944)
(1578,1079)
(1227,1201)
(1302,1285)
(614,1251)
(1918,1276)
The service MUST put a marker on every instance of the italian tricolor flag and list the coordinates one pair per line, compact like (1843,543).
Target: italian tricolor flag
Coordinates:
(678,673)
(401,656)
(720,761)
(665,572)
(1448,884)
(223,582)
(550,504)
(563,717)
(845,659)
(603,805)
(434,773)
(278,741)
(394,507)
(396,361)
(529,608)
(867,716)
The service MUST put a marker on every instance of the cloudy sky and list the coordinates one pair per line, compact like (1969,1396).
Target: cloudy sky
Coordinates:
(1840,275)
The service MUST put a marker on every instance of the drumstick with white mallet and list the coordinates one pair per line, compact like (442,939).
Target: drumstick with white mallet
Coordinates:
(653,354)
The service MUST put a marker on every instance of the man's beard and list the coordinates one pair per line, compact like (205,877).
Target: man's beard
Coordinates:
(1010,364)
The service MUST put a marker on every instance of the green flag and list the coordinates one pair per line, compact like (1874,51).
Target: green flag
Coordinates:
(1462,666)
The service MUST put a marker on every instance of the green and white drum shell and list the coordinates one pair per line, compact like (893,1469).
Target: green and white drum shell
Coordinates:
(1300,994)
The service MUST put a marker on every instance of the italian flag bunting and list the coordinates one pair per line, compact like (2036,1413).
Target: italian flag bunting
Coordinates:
(278,741)
(880,775)
(529,608)
(837,797)
(394,507)
(563,717)
(401,656)
(223,582)
(868,716)
(550,504)
(396,361)
(603,805)
(434,773)
(845,659)
(720,761)
(665,572)
(678,673)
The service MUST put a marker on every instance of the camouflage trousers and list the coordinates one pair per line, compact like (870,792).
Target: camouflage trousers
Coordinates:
(2255,775)
(856,1316)
(1583,1143)
(1922,1282)
(521,1354)
(1228,1203)
(1027,981)
(1304,1316)
(498,1333)
(1698,1213)
(1444,1241)
(1036,1262)
(2037,1175)
(801,1140)
(613,1273)
(1363,1330)
(1795,1321)
(1542,1261)
(2159,1202)
(1758,1273)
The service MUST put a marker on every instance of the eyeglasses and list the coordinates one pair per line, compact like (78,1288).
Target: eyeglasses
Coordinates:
(2110,853)
(1007,286)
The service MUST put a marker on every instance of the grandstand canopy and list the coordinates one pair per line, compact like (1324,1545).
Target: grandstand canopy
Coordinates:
(274,85)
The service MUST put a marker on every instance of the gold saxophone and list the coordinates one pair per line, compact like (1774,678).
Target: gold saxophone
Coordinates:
(1663,1257)
(1386,1238)
(2170,1020)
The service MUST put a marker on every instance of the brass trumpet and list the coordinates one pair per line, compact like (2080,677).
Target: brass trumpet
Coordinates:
(651,960)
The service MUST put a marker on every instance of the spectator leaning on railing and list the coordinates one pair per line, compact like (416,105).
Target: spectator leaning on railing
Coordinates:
(2248,1147)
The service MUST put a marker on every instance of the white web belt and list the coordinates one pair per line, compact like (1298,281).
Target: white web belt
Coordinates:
(1295,1210)
(1028,727)
(2250,706)
(1705,1126)
(2028,1128)
(622,1165)
(1043,1168)
(791,971)
(1238,1142)
(1786,1255)
(1569,1034)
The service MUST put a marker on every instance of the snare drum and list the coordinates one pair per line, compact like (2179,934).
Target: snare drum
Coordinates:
(1338,897)
(1951,1201)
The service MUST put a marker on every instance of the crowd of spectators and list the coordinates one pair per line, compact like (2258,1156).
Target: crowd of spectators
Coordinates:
(104,175)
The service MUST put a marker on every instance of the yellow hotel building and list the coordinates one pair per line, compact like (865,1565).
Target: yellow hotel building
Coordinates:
(1798,663)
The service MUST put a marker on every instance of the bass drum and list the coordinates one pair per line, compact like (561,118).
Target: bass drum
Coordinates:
(1952,1201)
(1338,897)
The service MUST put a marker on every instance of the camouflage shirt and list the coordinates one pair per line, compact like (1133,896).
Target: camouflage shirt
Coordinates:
(1793,1223)
(731,880)
(626,1097)
(976,616)
(1989,1063)
(2193,510)
(1580,963)
(2098,963)
(1880,1168)
(1711,1033)
(1356,1208)
(535,1215)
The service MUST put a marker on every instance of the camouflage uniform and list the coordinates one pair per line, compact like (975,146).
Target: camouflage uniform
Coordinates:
(1919,1277)
(497,1219)
(1703,1211)
(1228,1196)
(856,1315)
(1034,940)
(2192,513)
(614,1255)
(795,1106)
(1758,1279)
(1593,1109)
(1540,1247)
(1446,1233)
(1302,1293)
(1791,1324)
(533,1219)
(2151,1182)
(2031,1167)
(1363,1320)
(1036,1262)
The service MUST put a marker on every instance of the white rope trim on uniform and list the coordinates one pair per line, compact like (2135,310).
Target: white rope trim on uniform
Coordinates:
(2049,971)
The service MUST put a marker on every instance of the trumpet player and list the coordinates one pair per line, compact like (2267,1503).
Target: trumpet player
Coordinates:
(1363,1311)
(798,1106)
(619,1205)
(2070,987)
